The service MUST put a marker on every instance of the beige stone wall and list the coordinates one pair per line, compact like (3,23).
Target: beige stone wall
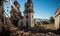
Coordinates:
(27,20)
(57,21)
(30,19)
(57,18)
(19,23)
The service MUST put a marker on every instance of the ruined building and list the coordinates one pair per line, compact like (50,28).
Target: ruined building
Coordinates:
(27,20)
(57,18)
(16,18)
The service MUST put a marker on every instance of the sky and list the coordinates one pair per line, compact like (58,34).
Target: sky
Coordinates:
(43,9)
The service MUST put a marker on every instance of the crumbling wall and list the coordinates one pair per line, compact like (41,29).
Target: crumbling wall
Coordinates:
(1,13)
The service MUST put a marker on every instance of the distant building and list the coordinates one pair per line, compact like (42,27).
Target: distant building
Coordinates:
(28,19)
(57,18)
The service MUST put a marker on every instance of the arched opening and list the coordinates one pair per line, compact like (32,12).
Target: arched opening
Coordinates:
(21,24)
(26,24)
(27,17)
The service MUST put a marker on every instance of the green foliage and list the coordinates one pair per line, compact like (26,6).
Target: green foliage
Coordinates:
(38,23)
(51,20)
(44,22)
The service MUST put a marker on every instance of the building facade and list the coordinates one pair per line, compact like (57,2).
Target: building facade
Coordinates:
(27,20)
(57,18)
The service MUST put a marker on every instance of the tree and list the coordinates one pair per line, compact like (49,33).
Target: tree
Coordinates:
(44,22)
(38,23)
(51,20)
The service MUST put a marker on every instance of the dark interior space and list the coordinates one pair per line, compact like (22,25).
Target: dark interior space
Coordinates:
(15,22)
(5,32)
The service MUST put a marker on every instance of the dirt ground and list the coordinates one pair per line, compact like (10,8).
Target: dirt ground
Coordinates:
(49,26)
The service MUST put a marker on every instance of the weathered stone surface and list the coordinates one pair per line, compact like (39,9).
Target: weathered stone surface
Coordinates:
(0,25)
